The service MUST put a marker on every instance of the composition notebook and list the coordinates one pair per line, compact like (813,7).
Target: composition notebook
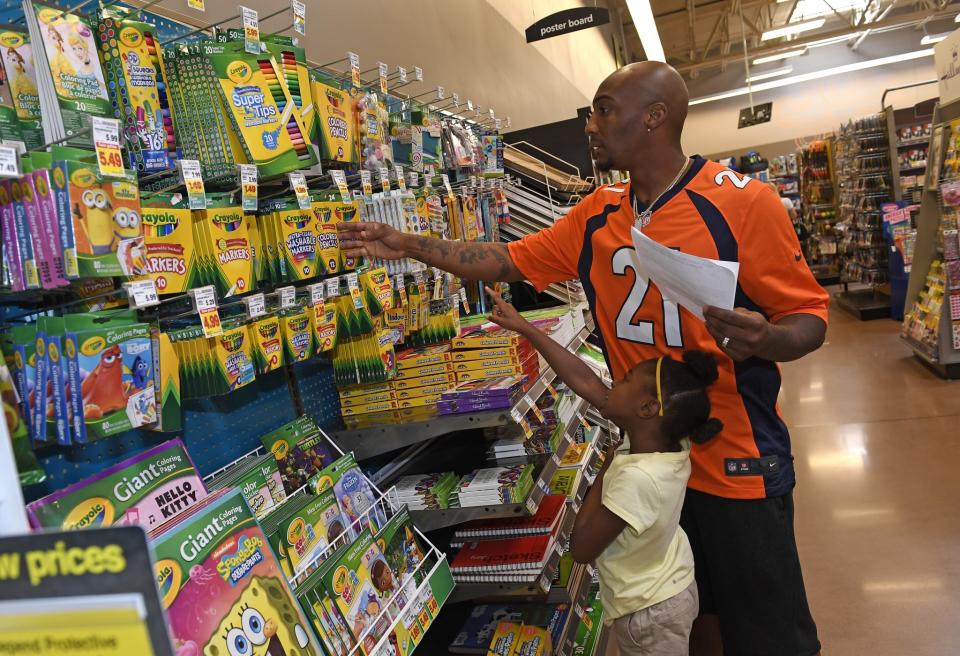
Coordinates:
(544,521)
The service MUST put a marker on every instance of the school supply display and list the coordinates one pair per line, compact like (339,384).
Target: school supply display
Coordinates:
(545,520)
(494,485)
(427,491)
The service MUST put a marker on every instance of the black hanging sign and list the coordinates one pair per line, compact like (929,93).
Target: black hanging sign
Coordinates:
(566,21)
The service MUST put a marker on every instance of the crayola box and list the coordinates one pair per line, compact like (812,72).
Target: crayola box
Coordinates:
(13,257)
(487,340)
(233,358)
(223,588)
(292,62)
(304,530)
(166,367)
(168,243)
(336,121)
(442,368)
(267,344)
(297,335)
(51,331)
(443,378)
(138,89)
(149,489)
(423,357)
(374,397)
(325,229)
(223,246)
(363,390)
(298,242)
(10,193)
(365,408)
(261,109)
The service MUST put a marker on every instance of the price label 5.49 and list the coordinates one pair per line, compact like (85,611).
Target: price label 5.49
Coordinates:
(106,141)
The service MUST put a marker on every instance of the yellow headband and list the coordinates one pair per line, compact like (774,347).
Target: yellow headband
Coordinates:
(659,388)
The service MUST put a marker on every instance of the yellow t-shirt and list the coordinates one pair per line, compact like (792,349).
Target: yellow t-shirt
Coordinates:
(651,560)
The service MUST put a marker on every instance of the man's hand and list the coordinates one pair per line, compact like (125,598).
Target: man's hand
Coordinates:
(740,333)
(505,315)
(371,240)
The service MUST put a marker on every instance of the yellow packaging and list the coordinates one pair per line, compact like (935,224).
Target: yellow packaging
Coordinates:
(367,399)
(423,357)
(377,290)
(267,344)
(323,322)
(487,340)
(483,365)
(566,481)
(429,370)
(401,383)
(297,335)
(364,390)
(494,372)
(420,401)
(298,242)
(417,392)
(328,243)
(257,254)
(364,408)
(234,357)
(336,123)
(166,366)
(222,234)
(345,213)
(483,354)
(168,243)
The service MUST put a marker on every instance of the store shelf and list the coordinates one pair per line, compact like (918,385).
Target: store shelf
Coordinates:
(369,442)
(431,520)
(919,141)
(863,304)
(536,591)
(564,646)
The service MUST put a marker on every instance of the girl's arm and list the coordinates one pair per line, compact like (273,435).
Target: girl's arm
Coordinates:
(596,525)
(573,371)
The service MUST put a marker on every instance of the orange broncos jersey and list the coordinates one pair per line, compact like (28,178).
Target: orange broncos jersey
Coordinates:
(716,213)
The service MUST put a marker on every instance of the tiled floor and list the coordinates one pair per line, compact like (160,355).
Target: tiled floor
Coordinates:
(876,438)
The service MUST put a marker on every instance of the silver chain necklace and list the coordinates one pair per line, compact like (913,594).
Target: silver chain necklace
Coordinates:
(642,219)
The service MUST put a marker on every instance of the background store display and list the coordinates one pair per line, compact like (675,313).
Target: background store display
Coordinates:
(819,209)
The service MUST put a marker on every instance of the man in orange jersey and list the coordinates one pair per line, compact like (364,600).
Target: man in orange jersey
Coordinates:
(738,513)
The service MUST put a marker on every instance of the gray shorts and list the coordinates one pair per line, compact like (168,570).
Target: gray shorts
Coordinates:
(660,630)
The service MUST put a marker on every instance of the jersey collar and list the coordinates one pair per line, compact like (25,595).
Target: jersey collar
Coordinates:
(691,173)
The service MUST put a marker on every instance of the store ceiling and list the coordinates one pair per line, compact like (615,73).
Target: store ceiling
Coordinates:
(700,35)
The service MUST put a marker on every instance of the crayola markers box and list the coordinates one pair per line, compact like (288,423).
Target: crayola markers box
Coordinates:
(148,489)
(220,232)
(169,252)
(298,242)
(297,335)
(219,560)
(292,62)
(110,361)
(261,109)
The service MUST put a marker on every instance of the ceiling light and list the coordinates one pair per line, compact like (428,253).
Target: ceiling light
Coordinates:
(768,74)
(795,28)
(781,55)
(930,39)
(642,16)
(816,75)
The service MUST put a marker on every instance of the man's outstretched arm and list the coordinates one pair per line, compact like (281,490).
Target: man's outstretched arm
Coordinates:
(470,260)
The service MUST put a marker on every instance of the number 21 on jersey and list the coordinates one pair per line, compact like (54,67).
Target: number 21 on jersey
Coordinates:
(643,332)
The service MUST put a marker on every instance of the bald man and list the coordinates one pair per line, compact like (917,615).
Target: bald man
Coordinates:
(738,513)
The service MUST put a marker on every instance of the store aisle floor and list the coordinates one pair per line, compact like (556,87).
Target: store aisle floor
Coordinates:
(876,442)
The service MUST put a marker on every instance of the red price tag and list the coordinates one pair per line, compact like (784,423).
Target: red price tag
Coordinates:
(210,320)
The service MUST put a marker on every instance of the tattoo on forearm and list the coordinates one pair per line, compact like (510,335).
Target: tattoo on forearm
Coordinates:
(438,252)
(424,246)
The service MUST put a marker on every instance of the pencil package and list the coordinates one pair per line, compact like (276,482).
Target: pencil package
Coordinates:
(336,123)
(325,221)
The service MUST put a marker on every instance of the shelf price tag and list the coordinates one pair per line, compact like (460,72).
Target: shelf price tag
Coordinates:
(205,300)
(333,287)
(402,72)
(421,283)
(251,30)
(508,123)
(366,183)
(316,293)
(584,422)
(446,183)
(299,17)
(497,124)
(193,179)
(287,296)
(248,187)
(353,284)
(9,162)
(441,94)
(340,180)
(553,391)
(354,68)
(418,73)
(401,289)
(525,425)
(456,99)
(106,141)
(298,182)
(536,411)
(384,71)
(142,293)
(256,305)
(531,505)
(401,180)
(463,301)
(414,179)
(384,179)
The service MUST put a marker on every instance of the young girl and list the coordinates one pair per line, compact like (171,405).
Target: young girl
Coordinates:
(629,522)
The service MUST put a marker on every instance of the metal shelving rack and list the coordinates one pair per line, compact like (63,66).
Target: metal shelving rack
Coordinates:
(819,199)
(867,183)
(928,248)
